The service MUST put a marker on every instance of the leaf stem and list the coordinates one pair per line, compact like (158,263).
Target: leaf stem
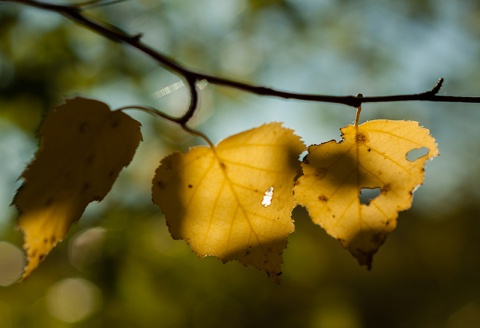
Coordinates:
(152,111)
(359,110)
(177,120)
(199,134)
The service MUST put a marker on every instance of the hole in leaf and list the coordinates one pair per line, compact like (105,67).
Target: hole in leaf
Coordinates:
(267,198)
(303,155)
(416,153)
(366,195)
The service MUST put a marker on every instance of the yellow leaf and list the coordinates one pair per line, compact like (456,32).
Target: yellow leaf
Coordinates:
(234,201)
(372,156)
(83,147)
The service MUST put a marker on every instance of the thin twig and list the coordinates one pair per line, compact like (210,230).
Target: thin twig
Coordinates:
(182,121)
(96,3)
(192,85)
(76,14)
(153,111)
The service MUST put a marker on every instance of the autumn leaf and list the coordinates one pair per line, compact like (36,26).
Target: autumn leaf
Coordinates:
(372,156)
(83,147)
(234,201)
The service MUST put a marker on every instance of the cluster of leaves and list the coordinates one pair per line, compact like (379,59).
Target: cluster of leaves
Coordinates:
(234,200)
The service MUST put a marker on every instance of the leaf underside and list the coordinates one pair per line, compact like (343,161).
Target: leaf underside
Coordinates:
(235,201)
(374,155)
(83,146)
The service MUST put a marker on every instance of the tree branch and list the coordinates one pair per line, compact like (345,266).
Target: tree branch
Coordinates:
(75,14)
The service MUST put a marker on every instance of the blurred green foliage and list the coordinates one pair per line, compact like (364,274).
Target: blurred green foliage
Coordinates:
(119,266)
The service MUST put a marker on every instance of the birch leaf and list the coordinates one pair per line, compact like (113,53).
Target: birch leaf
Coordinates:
(372,156)
(83,146)
(235,201)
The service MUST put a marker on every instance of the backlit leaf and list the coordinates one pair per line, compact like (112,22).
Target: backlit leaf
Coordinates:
(374,155)
(83,147)
(234,201)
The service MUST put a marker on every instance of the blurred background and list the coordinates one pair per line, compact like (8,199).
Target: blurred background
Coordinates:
(118,266)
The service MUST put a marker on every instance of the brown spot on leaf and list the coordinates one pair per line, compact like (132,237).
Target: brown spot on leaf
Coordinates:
(323,198)
(115,124)
(167,165)
(361,137)
(378,238)
(89,160)
(84,127)
(386,188)
(321,172)
(190,186)
(85,187)
(49,201)
(161,184)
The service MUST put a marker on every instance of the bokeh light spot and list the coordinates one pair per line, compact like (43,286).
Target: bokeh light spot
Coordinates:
(85,247)
(72,300)
(11,263)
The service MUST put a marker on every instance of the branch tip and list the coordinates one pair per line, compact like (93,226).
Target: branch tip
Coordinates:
(137,37)
(437,86)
